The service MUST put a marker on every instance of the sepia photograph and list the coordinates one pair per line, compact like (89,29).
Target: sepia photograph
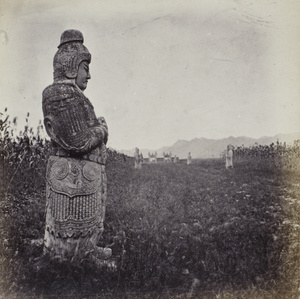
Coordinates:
(150,149)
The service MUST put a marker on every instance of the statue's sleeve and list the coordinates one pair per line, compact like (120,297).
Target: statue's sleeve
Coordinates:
(70,121)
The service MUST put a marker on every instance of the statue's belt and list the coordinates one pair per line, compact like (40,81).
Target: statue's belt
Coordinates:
(74,177)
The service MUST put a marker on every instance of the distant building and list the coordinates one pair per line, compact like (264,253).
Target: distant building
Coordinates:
(152,157)
(167,157)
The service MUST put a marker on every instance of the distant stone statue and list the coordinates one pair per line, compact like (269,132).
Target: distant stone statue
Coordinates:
(229,157)
(189,159)
(76,178)
(137,159)
(175,159)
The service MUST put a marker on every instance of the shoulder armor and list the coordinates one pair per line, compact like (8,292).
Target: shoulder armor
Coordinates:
(68,115)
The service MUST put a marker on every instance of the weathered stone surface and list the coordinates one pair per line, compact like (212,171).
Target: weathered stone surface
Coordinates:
(76,180)
(229,157)
(137,159)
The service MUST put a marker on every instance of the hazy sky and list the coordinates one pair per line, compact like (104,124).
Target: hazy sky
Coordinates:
(162,70)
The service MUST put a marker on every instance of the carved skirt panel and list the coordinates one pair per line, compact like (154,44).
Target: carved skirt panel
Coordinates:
(76,197)
(75,208)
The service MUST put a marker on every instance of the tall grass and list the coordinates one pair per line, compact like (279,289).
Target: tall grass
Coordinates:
(194,230)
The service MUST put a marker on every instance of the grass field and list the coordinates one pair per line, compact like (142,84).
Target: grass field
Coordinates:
(176,231)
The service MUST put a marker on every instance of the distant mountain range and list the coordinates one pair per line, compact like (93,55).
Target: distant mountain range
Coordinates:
(212,148)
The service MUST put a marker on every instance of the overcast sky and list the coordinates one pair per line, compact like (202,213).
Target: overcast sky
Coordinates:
(162,70)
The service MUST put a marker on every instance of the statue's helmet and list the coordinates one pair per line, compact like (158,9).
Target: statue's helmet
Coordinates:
(71,52)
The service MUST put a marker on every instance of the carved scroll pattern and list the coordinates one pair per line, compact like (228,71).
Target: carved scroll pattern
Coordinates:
(76,195)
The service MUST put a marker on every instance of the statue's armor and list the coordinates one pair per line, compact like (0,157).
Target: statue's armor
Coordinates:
(71,123)
(76,193)
(76,179)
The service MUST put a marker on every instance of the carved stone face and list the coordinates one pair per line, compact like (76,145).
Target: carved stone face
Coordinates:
(83,75)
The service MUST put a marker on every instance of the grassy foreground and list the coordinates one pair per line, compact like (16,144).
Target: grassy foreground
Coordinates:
(176,231)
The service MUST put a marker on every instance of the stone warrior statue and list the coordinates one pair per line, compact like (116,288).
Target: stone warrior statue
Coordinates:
(137,159)
(229,157)
(76,179)
(189,159)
